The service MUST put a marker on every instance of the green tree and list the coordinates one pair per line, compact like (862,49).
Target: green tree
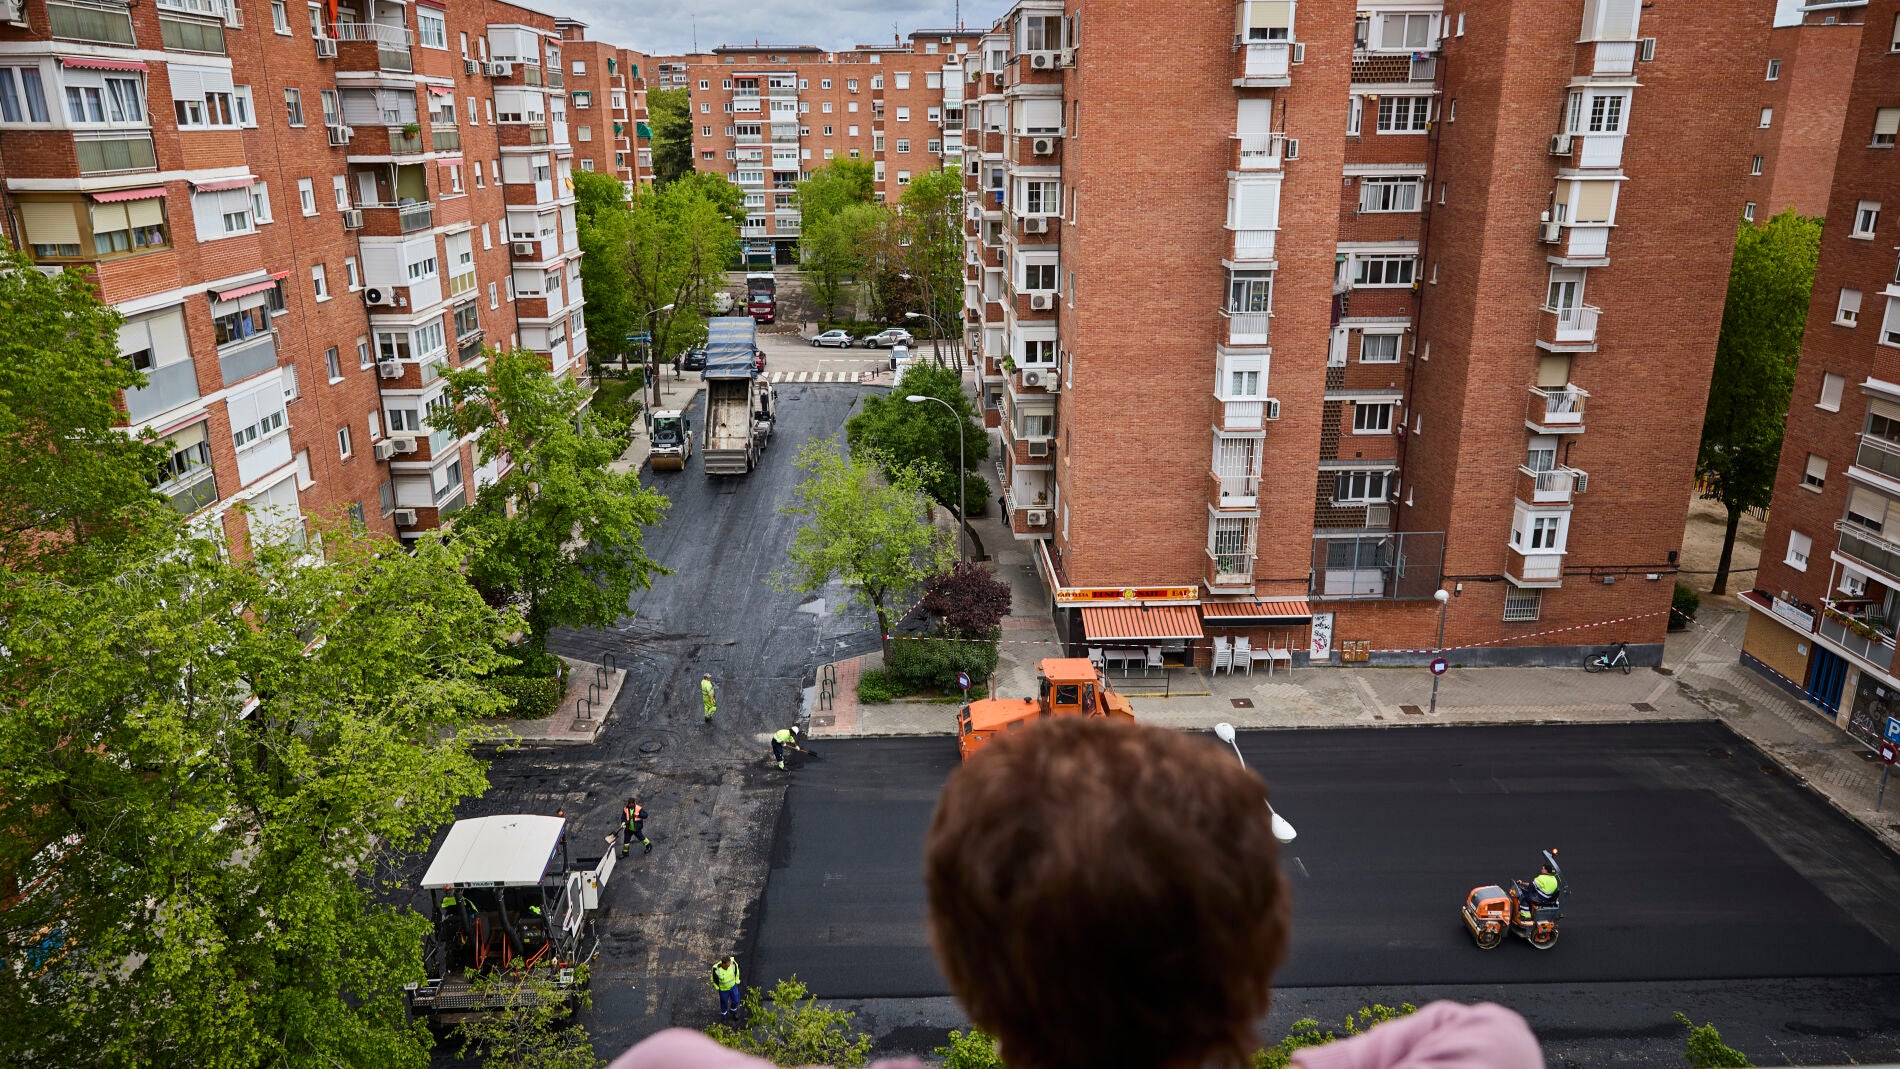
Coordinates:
(832,188)
(560,534)
(209,767)
(76,483)
(717,188)
(790,1027)
(669,117)
(933,222)
(834,251)
(535,1028)
(680,240)
(1306,1032)
(605,223)
(921,435)
(871,534)
(1704,1048)
(969,1050)
(1769,283)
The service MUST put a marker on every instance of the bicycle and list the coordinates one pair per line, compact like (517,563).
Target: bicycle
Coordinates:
(1615,656)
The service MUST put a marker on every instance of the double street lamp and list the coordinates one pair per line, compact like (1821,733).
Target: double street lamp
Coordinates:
(1282,830)
(963,549)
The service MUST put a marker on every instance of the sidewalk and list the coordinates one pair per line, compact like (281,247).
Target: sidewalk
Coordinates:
(674,394)
(591,691)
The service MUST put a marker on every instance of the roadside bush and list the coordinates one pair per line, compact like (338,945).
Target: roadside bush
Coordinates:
(969,1050)
(1306,1032)
(530,699)
(879,685)
(1685,603)
(933,663)
(858,328)
(1704,1048)
(530,663)
(790,1027)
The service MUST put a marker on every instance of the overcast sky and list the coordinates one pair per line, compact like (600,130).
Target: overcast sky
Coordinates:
(665,27)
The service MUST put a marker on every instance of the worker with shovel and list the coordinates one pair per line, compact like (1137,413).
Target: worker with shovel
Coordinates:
(783,738)
(706,696)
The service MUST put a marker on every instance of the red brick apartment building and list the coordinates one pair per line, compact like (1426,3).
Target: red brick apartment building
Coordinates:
(767,116)
(607,102)
(1362,300)
(305,213)
(1828,591)
(1804,96)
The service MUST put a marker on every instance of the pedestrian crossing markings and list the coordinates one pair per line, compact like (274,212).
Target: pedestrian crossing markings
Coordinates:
(819,376)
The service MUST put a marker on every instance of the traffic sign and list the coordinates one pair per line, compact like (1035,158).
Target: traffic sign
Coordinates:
(1889,752)
(963,680)
(1893,729)
(1440,666)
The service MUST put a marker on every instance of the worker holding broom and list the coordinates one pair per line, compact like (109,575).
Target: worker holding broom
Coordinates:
(783,739)
(706,696)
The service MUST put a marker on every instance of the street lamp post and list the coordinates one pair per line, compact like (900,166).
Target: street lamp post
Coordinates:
(1443,597)
(936,329)
(1282,830)
(963,521)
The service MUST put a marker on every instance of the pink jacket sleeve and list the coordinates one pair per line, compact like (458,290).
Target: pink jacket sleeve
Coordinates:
(1442,1035)
(683,1048)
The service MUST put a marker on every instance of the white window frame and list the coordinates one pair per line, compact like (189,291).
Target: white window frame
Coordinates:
(1390,266)
(1774,70)
(1847,308)
(1814,475)
(1412,117)
(1832,387)
(1866,220)
(1372,417)
(1383,194)
(344,448)
(1360,485)
(307,196)
(425,18)
(1800,546)
(319,282)
(1397,338)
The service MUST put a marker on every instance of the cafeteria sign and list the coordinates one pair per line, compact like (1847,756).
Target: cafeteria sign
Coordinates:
(1096,595)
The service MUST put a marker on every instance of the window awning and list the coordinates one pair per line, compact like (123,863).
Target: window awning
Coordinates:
(442,90)
(214,184)
(97,63)
(117,195)
(1127,622)
(244,290)
(1291,611)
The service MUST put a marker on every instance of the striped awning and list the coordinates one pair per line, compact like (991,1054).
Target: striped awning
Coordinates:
(213,184)
(117,195)
(1291,611)
(442,90)
(1120,623)
(244,290)
(99,63)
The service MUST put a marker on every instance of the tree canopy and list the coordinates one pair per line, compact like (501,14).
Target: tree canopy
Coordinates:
(836,251)
(559,533)
(869,533)
(669,117)
(832,188)
(680,239)
(605,223)
(921,436)
(932,208)
(1770,281)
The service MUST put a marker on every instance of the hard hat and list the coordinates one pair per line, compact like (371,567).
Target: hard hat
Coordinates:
(795,729)
(708,675)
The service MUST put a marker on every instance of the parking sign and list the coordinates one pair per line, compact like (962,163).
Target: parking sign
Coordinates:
(1893,729)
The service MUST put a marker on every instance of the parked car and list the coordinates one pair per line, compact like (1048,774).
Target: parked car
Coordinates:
(836,338)
(722,302)
(901,358)
(888,338)
(693,359)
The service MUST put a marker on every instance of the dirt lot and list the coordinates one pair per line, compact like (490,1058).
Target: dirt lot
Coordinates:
(1702,547)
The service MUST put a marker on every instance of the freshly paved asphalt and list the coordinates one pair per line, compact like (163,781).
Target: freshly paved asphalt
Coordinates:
(1689,864)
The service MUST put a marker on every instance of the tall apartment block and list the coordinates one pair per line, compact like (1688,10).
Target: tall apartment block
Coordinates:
(1827,597)
(607,99)
(304,216)
(769,116)
(1804,95)
(1360,301)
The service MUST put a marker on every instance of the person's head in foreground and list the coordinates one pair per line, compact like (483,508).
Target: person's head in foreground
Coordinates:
(1106,893)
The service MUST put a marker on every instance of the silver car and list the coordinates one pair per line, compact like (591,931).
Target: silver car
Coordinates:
(888,338)
(835,338)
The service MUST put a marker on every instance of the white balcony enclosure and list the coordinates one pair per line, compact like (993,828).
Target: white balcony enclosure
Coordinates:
(1600,150)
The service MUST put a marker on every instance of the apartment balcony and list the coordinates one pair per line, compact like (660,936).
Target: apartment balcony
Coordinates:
(523,134)
(1576,241)
(1571,329)
(1870,550)
(1878,455)
(1231,491)
(1036,521)
(1254,245)
(396,220)
(1258,152)
(1247,328)
(1037,380)
(1614,58)
(1229,573)
(1589,150)
(165,388)
(239,360)
(1242,415)
(1534,569)
(1263,64)
(114,152)
(445,138)
(102,23)
(196,491)
(1556,409)
(373,46)
(1555,486)
(754,232)
(1393,68)
(745,103)
(1864,635)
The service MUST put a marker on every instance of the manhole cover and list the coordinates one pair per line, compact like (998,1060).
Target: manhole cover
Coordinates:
(1411,710)
(823,721)
(1642,707)
(651,746)
(1243,703)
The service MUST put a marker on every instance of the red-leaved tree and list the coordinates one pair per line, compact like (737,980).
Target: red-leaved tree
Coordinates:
(967,600)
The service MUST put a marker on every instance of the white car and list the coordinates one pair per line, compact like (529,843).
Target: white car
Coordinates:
(835,338)
(888,338)
(901,358)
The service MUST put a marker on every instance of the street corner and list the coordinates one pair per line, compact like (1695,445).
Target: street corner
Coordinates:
(591,692)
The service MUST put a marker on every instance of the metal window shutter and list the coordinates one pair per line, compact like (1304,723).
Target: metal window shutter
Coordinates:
(1595,202)
(109,217)
(147,212)
(1887,121)
(50,223)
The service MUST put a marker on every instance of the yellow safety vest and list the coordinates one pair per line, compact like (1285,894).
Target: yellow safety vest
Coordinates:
(783,735)
(725,979)
(1546,883)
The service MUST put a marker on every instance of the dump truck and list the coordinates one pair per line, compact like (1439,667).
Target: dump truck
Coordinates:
(740,406)
(504,892)
(1069,686)
(672,440)
(761,301)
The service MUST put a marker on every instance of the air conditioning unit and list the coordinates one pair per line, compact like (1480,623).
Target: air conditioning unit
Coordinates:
(487,69)
(1042,302)
(1039,447)
(353,219)
(469,66)
(1042,61)
(1379,516)
(1550,232)
(1054,383)
(1646,49)
(1043,146)
(1034,224)
(326,48)
(385,449)
(1038,517)
(376,298)
(502,69)
(525,248)
(1560,144)
(1299,51)
(1068,58)
(404,445)
(1581,482)
(14,12)
(1032,378)
(996,78)
(1292,149)
(405,517)
(389,369)
(1273,408)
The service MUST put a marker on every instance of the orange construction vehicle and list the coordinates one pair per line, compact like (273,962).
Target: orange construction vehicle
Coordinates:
(1070,687)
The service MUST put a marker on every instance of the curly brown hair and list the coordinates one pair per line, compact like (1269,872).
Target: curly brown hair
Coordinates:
(1107,893)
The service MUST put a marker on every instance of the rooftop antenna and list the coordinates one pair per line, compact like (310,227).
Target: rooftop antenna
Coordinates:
(959,7)
(695,36)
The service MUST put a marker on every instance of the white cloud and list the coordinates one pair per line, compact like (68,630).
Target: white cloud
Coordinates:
(669,28)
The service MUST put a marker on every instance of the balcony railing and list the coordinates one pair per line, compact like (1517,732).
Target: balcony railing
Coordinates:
(1536,567)
(1254,244)
(114,152)
(1238,490)
(1242,415)
(1878,455)
(445,138)
(252,356)
(165,388)
(1557,407)
(1554,485)
(1266,59)
(404,144)
(1229,569)
(1377,564)
(377,32)
(1247,328)
(1260,152)
(197,491)
(1867,547)
(415,217)
(1577,323)
(1861,637)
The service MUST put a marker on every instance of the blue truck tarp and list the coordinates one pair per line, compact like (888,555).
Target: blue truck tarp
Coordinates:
(730,341)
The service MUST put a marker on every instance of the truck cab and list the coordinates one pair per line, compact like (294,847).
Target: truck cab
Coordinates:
(672,440)
(1068,686)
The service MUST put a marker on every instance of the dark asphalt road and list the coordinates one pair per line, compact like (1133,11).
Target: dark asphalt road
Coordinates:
(1688,863)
